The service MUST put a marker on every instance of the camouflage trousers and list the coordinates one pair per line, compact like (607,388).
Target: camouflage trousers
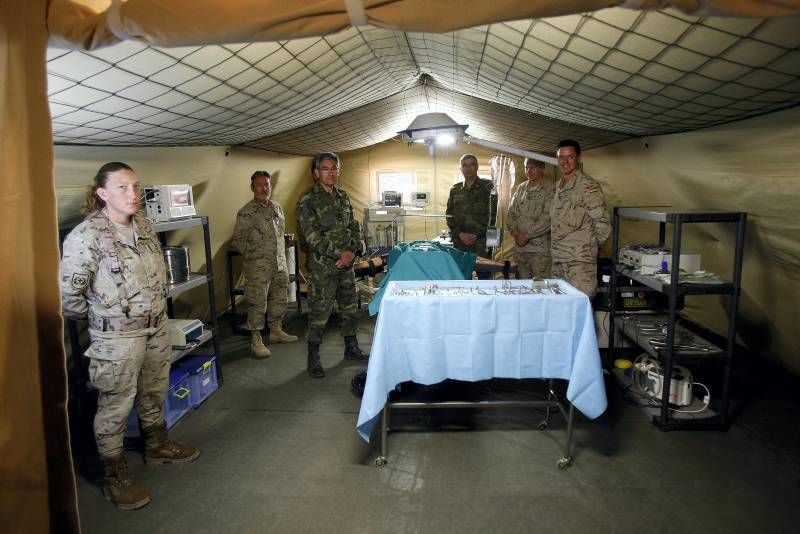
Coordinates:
(534,261)
(123,367)
(327,288)
(266,291)
(581,275)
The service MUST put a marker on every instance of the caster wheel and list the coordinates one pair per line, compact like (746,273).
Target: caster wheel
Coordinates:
(564,462)
(380,461)
(542,426)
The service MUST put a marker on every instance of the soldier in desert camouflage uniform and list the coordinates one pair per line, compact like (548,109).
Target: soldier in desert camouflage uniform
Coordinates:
(113,274)
(471,208)
(528,219)
(259,236)
(579,222)
(331,231)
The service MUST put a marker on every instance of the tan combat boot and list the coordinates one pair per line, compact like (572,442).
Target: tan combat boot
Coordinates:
(278,335)
(119,489)
(158,449)
(257,346)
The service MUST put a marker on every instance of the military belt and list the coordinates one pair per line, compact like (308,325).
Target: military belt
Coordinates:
(125,324)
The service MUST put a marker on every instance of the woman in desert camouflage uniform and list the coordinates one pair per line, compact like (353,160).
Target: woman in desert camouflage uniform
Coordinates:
(113,275)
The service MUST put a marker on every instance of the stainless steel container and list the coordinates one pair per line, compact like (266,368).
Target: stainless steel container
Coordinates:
(177,260)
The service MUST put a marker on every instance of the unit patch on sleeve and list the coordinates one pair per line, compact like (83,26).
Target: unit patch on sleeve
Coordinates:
(80,280)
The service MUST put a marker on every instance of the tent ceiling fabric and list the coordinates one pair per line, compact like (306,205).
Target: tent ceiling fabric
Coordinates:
(383,119)
(600,77)
(94,23)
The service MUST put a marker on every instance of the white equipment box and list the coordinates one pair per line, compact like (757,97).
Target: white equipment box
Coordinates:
(650,262)
(420,199)
(183,332)
(649,378)
(167,202)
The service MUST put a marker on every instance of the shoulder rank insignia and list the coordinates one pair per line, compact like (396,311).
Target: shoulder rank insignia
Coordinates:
(591,189)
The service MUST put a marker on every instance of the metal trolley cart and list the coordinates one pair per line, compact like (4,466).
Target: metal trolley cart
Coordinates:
(477,330)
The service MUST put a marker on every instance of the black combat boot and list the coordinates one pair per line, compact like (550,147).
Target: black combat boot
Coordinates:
(158,449)
(119,489)
(352,351)
(315,369)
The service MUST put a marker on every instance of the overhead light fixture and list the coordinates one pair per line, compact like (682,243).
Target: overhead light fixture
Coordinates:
(438,129)
(432,128)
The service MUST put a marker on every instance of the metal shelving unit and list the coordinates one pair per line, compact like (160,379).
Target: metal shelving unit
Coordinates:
(669,355)
(194,280)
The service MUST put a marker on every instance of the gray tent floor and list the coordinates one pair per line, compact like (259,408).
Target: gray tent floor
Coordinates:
(280,454)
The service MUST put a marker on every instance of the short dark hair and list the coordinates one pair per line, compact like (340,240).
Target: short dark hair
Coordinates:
(536,162)
(257,174)
(570,142)
(473,157)
(323,156)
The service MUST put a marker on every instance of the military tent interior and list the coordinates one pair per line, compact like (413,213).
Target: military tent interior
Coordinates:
(679,103)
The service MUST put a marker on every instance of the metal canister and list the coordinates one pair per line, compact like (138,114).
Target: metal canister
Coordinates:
(177,260)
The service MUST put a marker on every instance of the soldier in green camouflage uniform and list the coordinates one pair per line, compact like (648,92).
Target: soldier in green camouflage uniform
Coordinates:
(328,226)
(471,208)
(113,274)
(259,237)
(528,220)
(579,221)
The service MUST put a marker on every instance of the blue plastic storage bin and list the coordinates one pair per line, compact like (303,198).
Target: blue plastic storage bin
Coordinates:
(177,404)
(202,369)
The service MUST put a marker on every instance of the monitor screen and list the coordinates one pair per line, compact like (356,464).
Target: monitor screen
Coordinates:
(392,199)
(180,198)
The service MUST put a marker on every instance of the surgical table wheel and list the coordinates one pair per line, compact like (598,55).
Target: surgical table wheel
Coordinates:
(564,462)
(542,426)
(380,461)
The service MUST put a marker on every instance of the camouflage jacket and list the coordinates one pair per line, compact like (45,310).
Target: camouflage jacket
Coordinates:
(529,211)
(579,221)
(95,262)
(471,209)
(258,234)
(328,226)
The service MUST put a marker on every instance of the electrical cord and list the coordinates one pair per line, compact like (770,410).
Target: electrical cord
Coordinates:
(639,382)
(706,401)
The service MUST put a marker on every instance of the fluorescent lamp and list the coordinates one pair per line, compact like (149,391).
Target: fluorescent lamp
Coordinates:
(445,139)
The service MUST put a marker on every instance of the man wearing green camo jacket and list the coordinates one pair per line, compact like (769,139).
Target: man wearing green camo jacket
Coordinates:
(471,208)
(329,227)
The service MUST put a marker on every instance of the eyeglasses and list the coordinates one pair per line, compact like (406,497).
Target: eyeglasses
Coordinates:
(328,169)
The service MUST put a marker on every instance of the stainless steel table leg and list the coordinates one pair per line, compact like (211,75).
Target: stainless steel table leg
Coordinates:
(380,461)
(550,396)
(566,460)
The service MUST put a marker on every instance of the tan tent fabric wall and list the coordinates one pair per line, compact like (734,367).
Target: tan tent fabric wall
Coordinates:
(37,486)
(220,183)
(751,166)
(185,22)
(36,491)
